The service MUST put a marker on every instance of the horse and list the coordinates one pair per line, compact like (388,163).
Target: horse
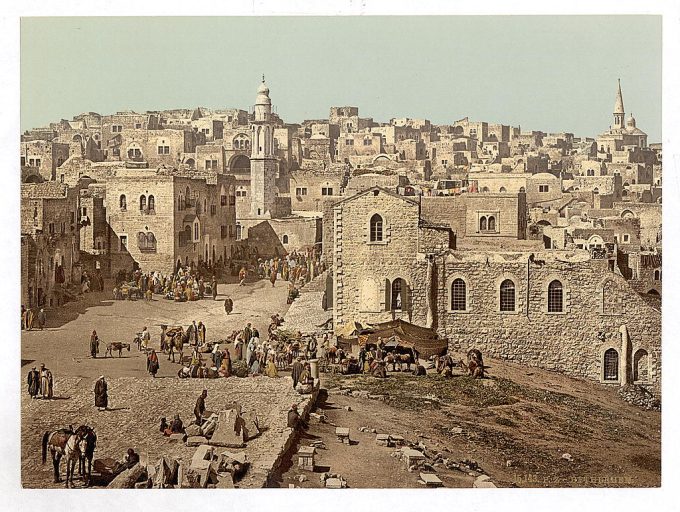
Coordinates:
(116,345)
(62,443)
(405,359)
(88,443)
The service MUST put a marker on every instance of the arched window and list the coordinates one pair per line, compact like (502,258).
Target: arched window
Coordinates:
(482,224)
(555,302)
(507,299)
(611,365)
(123,202)
(458,295)
(502,190)
(640,365)
(398,291)
(152,203)
(657,275)
(376,228)
(492,223)
(142,202)
(285,239)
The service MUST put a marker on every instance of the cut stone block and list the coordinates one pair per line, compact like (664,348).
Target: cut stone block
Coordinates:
(343,434)
(382,439)
(196,440)
(334,483)
(229,431)
(431,480)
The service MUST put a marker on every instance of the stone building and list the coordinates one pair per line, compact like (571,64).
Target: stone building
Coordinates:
(49,243)
(560,310)
(161,219)
(44,156)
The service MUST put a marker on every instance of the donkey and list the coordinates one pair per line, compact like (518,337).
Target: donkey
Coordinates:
(118,346)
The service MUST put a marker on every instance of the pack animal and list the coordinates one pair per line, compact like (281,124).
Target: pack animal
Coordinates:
(88,443)
(118,346)
(62,443)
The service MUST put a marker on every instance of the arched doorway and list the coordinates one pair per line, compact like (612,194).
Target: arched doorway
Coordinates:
(240,165)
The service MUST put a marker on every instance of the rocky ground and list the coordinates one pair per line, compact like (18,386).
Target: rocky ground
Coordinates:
(523,427)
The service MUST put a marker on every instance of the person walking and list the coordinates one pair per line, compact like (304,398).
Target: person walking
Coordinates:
(152,364)
(296,371)
(94,344)
(46,383)
(101,396)
(213,288)
(228,305)
(242,276)
(199,409)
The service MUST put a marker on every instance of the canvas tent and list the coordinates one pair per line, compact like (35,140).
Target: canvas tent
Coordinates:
(399,333)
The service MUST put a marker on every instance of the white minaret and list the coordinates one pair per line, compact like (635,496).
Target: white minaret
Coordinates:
(263,164)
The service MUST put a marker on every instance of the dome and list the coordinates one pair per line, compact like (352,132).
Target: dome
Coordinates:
(263,89)
(631,122)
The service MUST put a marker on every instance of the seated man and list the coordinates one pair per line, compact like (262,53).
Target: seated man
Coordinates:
(294,420)
(176,426)
(131,458)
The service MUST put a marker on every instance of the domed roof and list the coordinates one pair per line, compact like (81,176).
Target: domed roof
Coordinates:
(263,89)
(631,122)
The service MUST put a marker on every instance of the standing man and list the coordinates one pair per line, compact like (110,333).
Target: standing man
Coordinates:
(101,396)
(213,288)
(33,382)
(228,305)
(242,276)
(46,383)
(247,333)
(200,407)
(362,358)
(297,370)
(238,347)
(146,337)
(23,317)
(94,344)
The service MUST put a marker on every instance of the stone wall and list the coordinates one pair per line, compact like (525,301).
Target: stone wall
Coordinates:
(597,303)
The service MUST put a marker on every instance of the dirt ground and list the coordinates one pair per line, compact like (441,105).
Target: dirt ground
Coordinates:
(516,425)
(137,401)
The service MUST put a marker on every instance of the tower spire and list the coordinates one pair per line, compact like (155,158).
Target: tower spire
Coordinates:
(619,112)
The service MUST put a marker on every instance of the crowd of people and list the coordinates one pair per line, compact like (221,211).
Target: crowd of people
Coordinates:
(29,316)
(296,268)
(186,284)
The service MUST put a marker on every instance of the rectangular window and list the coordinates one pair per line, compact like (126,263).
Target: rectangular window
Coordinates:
(206,131)
(73,217)
(223,231)
(37,162)
(211,164)
(543,188)
(63,228)
(326,191)
(349,142)
(626,238)
(163,150)
(84,211)
(116,128)
(61,178)
(51,228)
(213,209)
(223,200)
(123,242)
(115,151)
(368,142)
(301,191)
(23,160)
(232,200)
(138,126)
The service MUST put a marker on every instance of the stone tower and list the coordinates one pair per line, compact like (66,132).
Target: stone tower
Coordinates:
(619,112)
(263,163)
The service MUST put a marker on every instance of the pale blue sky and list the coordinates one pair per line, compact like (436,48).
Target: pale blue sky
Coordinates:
(554,73)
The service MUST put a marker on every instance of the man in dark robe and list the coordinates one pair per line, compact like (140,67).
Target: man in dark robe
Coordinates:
(247,333)
(294,420)
(94,344)
(152,363)
(33,382)
(213,288)
(42,319)
(200,407)
(101,397)
(176,426)
(228,305)
(296,372)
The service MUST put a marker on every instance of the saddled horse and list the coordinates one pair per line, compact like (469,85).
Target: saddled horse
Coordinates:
(88,443)
(62,443)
